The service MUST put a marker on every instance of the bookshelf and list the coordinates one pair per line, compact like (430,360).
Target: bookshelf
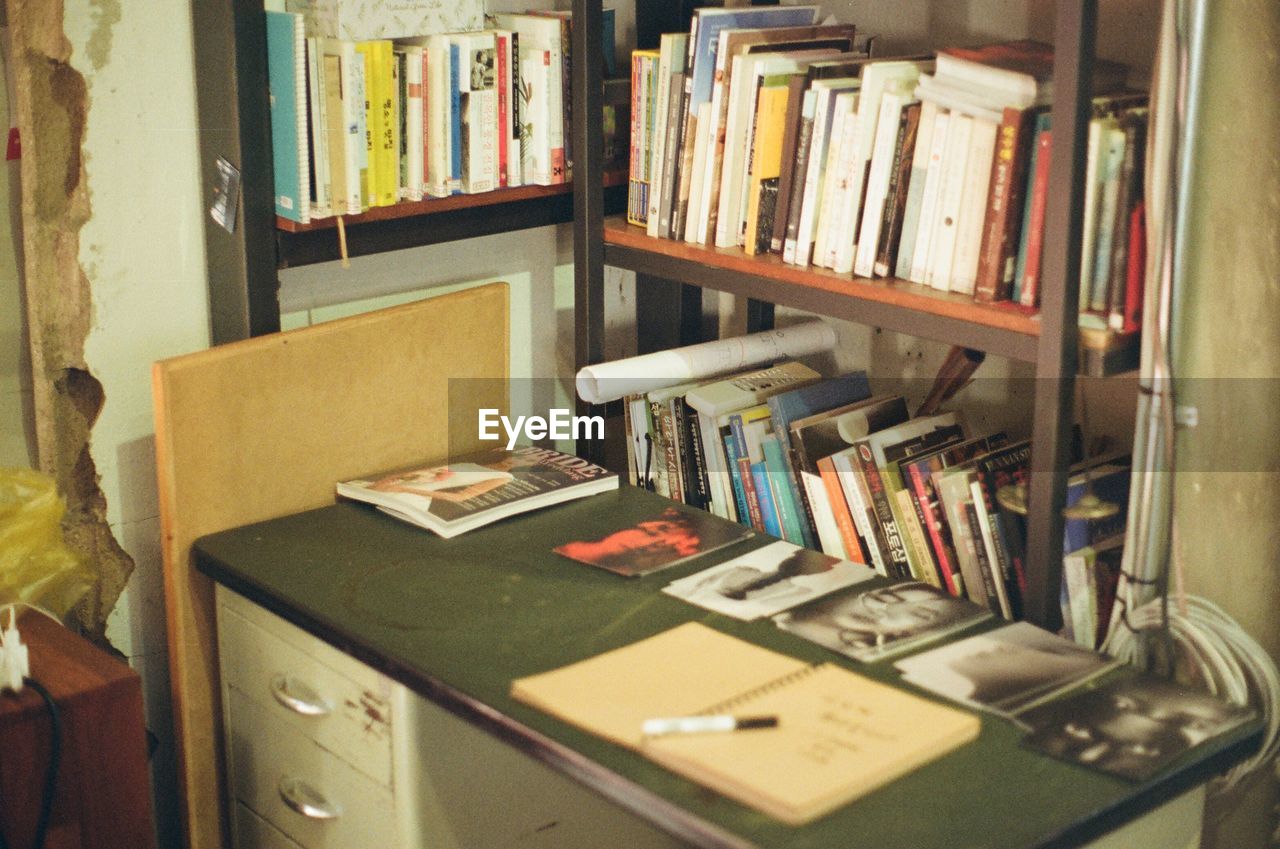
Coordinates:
(1050,340)
(234,116)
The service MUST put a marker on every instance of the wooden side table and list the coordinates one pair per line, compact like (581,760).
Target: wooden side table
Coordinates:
(103,798)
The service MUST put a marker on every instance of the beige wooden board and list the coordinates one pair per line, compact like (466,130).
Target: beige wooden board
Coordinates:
(265,427)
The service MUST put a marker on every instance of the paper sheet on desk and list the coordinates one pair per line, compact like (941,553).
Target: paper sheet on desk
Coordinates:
(605,382)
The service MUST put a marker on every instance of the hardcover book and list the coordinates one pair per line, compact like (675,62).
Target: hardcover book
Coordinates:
(477,489)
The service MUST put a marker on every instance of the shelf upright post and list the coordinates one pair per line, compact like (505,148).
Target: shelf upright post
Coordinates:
(1057,357)
(588,192)
(234,118)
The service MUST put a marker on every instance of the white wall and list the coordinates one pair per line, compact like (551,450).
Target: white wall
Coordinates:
(143,254)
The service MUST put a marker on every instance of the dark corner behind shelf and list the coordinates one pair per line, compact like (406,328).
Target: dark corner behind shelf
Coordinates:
(320,244)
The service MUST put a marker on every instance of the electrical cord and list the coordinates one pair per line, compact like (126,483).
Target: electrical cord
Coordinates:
(51,771)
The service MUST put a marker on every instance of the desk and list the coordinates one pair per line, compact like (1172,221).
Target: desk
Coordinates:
(456,620)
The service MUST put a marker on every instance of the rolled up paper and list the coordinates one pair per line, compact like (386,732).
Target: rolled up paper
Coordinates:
(598,384)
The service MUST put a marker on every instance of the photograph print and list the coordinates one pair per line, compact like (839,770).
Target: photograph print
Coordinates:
(666,539)
(767,580)
(883,622)
(1133,727)
(1007,670)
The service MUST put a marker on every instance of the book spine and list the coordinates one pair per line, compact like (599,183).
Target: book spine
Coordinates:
(661,112)
(927,503)
(915,193)
(670,451)
(684,150)
(768,509)
(659,449)
(910,521)
(929,199)
(503,86)
(859,501)
(1004,195)
(830,184)
(635,188)
(899,188)
(683,453)
(1030,293)
(828,532)
(697,484)
(877,185)
(670,156)
(988,555)
(950,197)
(811,201)
(1136,269)
(719,490)
(516,157)
(840,510)
(744,491)
(780,484)
(897,563)
(388,140)
(973,206)
(799,171)
(790,144)
(1111,157)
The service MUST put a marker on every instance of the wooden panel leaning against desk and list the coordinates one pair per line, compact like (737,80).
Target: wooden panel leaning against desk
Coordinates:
(264,427)
(458,620)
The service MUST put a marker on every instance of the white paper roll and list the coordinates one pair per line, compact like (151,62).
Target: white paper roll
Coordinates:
(604,382)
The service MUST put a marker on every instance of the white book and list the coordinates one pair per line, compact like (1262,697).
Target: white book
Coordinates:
(351,118)
(973,206)
(915,192)
(510,83)
(808,104)
(876,77)
(878,182)
(321,199)
(1089,220)
(438,118)
(988,541)
(478,87)
(670,52)
(840,247)
(841,113)
(1094,278)
(413,118)
(541,54)
(695,226)
(824,517)
(942,250)
(709,193)
(851,483)
(825,90)
(929,200)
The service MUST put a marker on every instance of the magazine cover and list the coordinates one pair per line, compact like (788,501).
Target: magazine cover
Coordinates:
(1132,727)
(882,622)
(767,581)
(1006,670)
(670,537)
(472,491)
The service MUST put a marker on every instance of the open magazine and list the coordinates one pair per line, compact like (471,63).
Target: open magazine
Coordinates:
(472,491)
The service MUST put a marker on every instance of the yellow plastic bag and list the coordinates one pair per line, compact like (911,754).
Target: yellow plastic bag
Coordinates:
(36,566)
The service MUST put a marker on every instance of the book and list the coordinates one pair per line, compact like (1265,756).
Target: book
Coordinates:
(1132,727)
(1027,270)
(1008,670)
(895,207)
(919,265)
(998,250)
(675,535)
(883,622)
(869,733)
(287,80)
(973,206)
(671,52)
(915,193)
(767,580)
(477,489)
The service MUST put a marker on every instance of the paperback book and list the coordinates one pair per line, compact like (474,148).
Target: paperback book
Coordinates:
(767,581)
(477,489)
(883,622)
(1007,671)
(669,538)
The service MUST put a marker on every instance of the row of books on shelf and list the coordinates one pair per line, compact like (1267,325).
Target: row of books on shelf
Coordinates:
(360,124)
(823,464)
(761,130)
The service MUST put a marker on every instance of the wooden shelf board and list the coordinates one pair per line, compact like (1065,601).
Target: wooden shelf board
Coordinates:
(430,206)
(898,304)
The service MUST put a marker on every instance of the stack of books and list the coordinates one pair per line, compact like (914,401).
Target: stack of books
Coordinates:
(761,130)
(367,123)
(823,464)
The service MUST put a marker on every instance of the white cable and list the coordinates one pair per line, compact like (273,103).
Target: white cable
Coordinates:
(1230,663)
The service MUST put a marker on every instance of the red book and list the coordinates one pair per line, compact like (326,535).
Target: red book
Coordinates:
(1137,270)
(941,548)
(1004,207)
(504,91)
(1035,226)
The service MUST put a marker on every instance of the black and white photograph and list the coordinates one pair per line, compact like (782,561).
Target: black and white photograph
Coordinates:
(767,581)
(883,622)
(1007,670)
(482,73)
(1133,727)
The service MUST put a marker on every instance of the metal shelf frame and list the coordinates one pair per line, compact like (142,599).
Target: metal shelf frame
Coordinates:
(1055,350)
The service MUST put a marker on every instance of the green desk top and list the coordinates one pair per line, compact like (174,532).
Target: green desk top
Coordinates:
(457,620)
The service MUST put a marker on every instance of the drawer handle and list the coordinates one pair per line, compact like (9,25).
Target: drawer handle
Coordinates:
(298,697)
(304,799)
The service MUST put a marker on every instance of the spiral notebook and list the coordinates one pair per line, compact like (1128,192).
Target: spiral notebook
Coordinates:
(839,734)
